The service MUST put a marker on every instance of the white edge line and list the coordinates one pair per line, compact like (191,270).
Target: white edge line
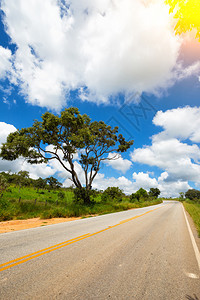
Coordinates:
(194,244)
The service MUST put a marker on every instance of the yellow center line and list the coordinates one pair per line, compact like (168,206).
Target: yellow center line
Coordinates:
(33,255)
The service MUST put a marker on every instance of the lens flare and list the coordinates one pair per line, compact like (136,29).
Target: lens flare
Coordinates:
(187,13)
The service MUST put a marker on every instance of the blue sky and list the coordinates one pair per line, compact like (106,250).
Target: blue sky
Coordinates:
(120,63)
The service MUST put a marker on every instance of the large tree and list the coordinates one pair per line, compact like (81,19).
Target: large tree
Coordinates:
(66,136)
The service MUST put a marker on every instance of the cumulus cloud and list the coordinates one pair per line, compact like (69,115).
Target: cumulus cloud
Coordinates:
(144,180)
(99,47)
(169,149)
(5,129)
(5,62)
(101,182)
(182,123)
(170,188)
(118,163)
(35,171)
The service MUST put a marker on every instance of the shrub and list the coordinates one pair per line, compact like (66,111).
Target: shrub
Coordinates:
(82,196)
(192,194)
(112,194)
(141,195)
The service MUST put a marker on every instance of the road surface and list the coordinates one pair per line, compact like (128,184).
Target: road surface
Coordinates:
(144,253)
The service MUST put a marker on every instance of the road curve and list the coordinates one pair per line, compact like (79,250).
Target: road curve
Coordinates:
(138,254)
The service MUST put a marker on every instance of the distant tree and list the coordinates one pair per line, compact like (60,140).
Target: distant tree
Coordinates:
(22,178)
(192,194)
(40,183)
(11,178)
(182,195)
(141,194)
(66,135)
(53,183)
(154,192)
(112,193)
(134,197)
(23,174)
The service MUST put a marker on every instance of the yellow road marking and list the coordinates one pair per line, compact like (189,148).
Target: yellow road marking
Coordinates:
(33,255)
(26,256)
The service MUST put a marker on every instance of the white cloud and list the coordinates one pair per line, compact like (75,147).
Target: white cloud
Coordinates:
(5,129)
(35,171)
(182,123)
(100,47)
(179,159)
(171,188)
(5,62)
(143,180)
(101,183)
(118,163)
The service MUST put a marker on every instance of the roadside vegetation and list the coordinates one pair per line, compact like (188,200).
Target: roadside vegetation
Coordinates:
(22,197)
(191,202)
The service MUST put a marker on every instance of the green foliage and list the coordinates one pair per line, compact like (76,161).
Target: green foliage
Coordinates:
(82,195)
(193,194)
(182,196)
(40,183)
(61,195)
(46,205)
(3,183)
(141,195)
(67,134)
(154,192)
(53,183)
(112,194)
(194,211)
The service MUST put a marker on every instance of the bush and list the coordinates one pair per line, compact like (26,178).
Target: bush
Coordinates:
(82,195)
(134,198)
(193,194)
(4,204)
(6,216)
(112,194)
(141,195)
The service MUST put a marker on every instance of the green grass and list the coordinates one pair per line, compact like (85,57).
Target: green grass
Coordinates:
(194,210)
(48,205)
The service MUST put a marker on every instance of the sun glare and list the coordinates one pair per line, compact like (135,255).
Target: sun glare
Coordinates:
(187,13)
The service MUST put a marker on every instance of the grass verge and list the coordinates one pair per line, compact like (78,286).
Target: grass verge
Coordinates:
(194,210)
(29,203)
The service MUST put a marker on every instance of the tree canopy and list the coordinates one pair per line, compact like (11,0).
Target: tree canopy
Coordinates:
(64,137)
(192,194)
(154,192)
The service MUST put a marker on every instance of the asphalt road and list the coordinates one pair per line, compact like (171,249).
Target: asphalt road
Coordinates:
(138,254)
